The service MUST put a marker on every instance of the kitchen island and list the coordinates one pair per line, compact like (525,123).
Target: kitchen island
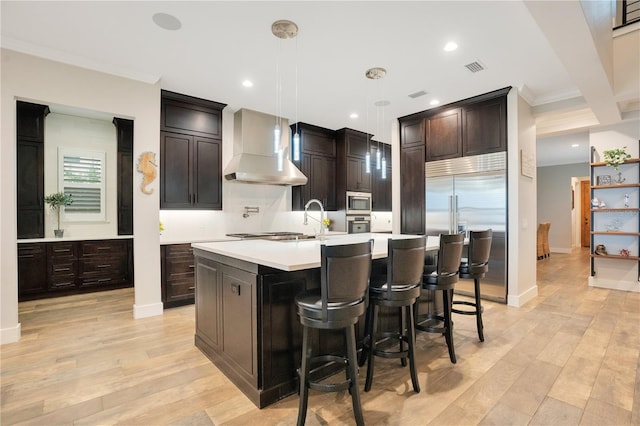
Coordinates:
(246,321)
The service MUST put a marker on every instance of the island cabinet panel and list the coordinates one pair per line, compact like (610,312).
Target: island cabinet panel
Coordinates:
(177,274)
(444,135)
(73,267)
(208,296)
(281,338)
(239,334)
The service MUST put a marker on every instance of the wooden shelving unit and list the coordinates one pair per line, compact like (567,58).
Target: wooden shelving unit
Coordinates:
(632,186)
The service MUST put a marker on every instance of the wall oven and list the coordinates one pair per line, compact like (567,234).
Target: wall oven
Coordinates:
(358,203)
(358,224)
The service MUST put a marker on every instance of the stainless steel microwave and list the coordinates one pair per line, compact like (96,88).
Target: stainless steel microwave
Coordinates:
(358,203)
(358,224)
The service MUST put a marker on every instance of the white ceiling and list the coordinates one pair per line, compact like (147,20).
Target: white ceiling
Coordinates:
(220,44)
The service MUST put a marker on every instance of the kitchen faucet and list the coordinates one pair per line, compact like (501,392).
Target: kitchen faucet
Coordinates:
(306,214)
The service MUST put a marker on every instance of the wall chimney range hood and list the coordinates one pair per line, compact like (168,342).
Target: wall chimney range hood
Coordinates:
(253,159)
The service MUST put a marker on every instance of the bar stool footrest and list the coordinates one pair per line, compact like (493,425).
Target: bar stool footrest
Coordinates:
(329,387)
(430,323)
(386,353)
(465,312)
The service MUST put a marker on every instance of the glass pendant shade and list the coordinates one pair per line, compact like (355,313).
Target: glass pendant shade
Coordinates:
(296,147)
(367,161)
(276,139)
(384,168)
(378,155)
(280,159)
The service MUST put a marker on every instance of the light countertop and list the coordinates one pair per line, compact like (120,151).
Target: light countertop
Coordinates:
(299,255)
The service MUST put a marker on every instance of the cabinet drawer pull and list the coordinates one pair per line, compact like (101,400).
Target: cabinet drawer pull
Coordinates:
(191,266)
(192,288)
(104,248)
(62,269)
(61,250)
(104,280)
(104,266)
(235,289)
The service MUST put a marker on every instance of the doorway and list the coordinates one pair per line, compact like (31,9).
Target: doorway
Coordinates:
(585,213)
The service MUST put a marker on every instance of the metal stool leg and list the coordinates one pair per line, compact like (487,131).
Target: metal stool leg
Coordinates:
(304,377)
(353,373)
(411,337)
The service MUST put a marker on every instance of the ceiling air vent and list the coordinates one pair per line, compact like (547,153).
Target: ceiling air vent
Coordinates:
(474,66)
(417,94)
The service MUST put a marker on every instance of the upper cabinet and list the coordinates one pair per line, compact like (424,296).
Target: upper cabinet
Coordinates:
(190,152)
(484,127)
(352,148)
(444,135)
(30,169)
(381,187)
(318,163)
(472,126)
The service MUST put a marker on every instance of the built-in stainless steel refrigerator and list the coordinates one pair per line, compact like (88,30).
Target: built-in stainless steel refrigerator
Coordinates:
(470,194)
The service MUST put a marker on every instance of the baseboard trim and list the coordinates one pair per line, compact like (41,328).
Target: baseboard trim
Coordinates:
(633,286)
(10,335)
(520,300)
(145,311)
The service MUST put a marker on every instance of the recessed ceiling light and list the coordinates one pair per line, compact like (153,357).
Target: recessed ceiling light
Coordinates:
(434,102)
(575,145)
(166,21)
(353,115)
(247,83)
(450,47)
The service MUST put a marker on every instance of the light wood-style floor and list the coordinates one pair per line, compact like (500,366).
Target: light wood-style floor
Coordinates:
(571,357)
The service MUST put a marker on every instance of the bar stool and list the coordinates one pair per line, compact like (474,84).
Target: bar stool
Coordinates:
(442,277)
(340,301)
(400,288)
(474,267)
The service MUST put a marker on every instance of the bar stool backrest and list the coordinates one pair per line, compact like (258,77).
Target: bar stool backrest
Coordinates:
(344,273)
(479,251)
(406,261)
(449,257)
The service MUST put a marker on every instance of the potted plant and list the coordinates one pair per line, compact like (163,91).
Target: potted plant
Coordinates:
(55,201)
(615,157)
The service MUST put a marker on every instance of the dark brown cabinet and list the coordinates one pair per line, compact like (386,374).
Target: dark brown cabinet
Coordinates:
(68,267)
(318,164)
(239,323)
(190,152)
(32,269)
(351,174)
(412,178)
(177,274)
(191,176)
(30,169)
(209,304)
(381,188)
(473,126)
(443,135)
(484,127)
(124,132)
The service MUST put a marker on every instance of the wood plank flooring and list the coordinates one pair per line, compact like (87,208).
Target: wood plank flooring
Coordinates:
(569,357)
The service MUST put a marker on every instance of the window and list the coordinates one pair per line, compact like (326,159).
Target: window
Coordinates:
(82,174)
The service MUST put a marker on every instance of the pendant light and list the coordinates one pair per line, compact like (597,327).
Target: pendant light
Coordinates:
(282,29)
(375,73)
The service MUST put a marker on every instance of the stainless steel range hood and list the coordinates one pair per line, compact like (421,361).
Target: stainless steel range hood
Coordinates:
(253,159)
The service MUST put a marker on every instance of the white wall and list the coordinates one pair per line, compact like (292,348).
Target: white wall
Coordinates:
(69,131)
(38,80)
(614,273)
(521,135)
(554,202)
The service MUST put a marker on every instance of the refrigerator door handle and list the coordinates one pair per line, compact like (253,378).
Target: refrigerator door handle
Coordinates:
(452,210)
(454,216)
